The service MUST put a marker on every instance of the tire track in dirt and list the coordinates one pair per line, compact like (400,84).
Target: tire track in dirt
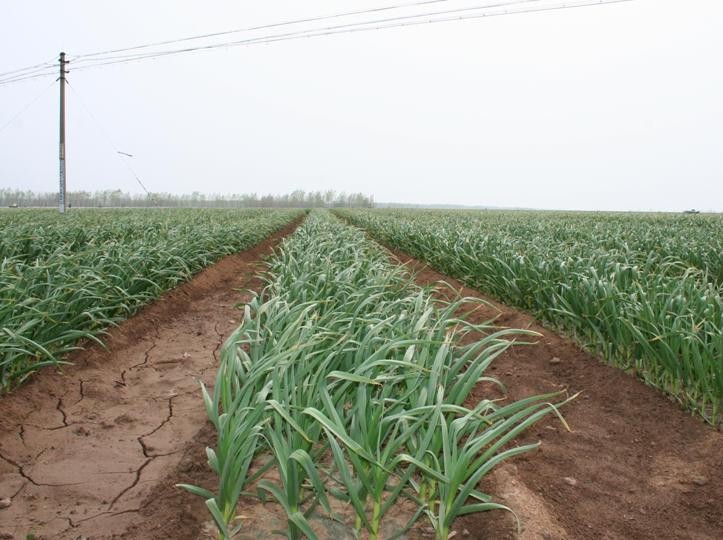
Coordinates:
(634,466)
(87,452)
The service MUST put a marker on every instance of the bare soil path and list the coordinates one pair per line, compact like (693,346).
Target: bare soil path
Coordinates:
(95,452)
(635,465)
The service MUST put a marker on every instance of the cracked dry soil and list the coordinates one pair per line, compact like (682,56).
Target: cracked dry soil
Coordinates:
(95,451)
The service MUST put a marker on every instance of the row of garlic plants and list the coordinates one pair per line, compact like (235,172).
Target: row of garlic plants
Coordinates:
(643,292)
(354,386)
(68,277)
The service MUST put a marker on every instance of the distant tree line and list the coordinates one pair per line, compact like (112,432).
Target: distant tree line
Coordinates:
(119,199)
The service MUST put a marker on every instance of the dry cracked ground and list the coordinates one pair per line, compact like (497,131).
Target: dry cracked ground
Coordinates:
(87,452)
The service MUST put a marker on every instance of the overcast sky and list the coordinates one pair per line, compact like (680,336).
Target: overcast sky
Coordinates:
(612,107)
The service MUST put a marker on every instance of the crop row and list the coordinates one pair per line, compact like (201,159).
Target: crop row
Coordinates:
(644,292)
(65,278)
(346,393)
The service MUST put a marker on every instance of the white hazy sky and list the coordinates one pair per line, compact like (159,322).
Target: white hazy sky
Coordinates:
(613,107)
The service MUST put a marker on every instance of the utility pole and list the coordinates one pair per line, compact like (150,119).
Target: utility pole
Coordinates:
(61,191)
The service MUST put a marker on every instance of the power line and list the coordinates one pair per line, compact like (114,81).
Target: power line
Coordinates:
(26,107)
(304,33)
(328,30)
(98,59)
(17,71)
(364,26)
(17,79)
(43,69)
(265,27)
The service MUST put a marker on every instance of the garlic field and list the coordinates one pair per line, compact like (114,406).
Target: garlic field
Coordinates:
(284,375)
(645,292)
(350,383)
(64,278)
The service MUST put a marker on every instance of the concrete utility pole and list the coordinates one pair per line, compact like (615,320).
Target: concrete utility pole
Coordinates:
(61,191)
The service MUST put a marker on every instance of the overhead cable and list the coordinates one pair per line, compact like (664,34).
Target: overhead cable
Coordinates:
(304,33)
(266,27)
(489,9)
(364,26)
(32,68)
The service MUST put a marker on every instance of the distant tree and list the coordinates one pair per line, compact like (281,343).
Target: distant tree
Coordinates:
(117,198)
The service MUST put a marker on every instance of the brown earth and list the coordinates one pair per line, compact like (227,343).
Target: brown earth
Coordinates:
(634,466)
(95,451)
